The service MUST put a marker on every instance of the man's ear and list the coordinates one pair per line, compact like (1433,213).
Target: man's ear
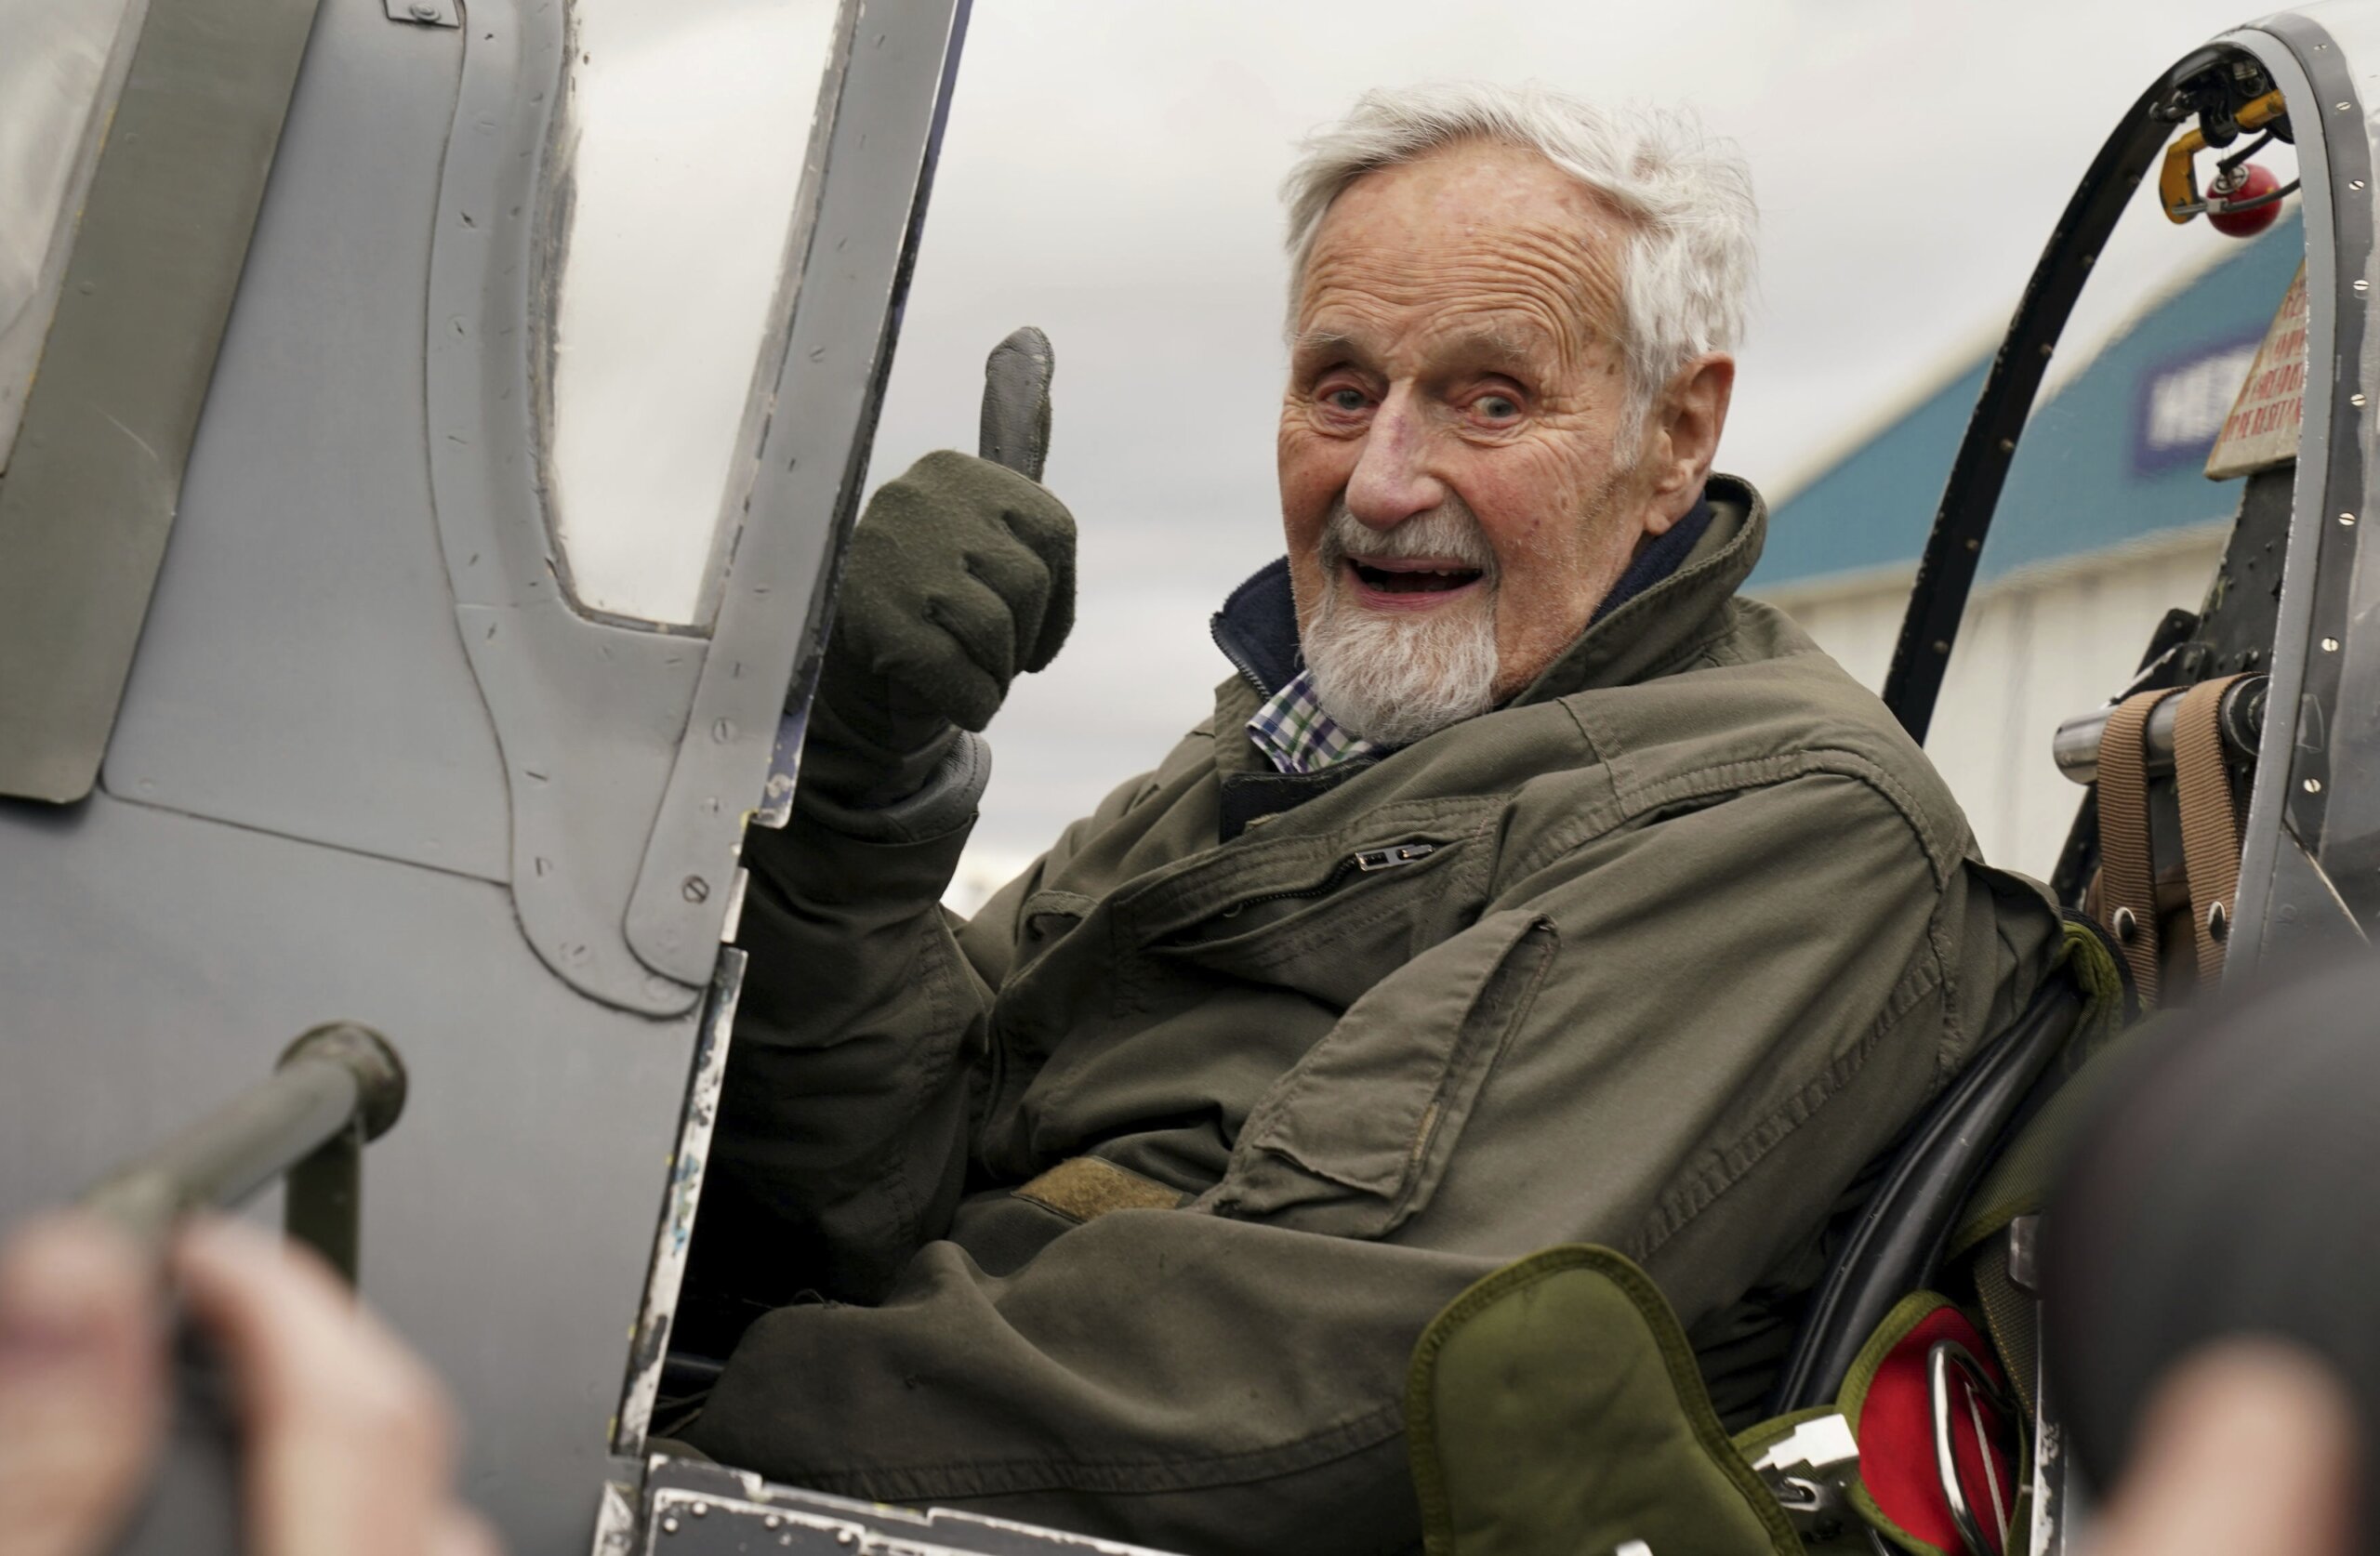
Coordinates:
(1687,420)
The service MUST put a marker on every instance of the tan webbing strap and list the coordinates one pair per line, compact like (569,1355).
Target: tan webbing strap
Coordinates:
(1085,1188)
(2210,824)
(2127,869)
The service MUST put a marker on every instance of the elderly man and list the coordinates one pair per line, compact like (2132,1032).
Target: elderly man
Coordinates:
(1524,887)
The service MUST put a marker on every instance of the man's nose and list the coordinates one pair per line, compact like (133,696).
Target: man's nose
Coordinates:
(1390,482)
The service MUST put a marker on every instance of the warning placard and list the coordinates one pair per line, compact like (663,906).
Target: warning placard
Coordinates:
(2262,428)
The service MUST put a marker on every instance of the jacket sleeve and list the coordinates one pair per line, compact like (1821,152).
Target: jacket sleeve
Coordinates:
(841,1142)
(1711,1021)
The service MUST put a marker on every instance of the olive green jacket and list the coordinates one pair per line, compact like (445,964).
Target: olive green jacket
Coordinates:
(1658,956)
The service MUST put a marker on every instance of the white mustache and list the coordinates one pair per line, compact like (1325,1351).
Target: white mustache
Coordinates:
(1391,677)
(1448,530)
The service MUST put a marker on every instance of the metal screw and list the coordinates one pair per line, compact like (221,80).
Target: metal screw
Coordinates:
(2007,445)
(2313,785)
(669,1525)
(2049,348)
(2355,398)
(2355,183)
(846,1536)
(696,889)
(1941,645)
(702,1510)
(424,11)
(1975,544)
(772,1521)
(2330,645)
(2344,107)
(2364,286)
(2347,518)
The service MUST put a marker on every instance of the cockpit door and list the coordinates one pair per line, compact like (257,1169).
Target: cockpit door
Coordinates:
(426,482)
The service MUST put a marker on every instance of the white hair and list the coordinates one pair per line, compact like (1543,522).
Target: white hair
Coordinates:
(1686,274)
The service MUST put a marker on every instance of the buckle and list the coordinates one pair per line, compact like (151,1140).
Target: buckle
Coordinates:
(1945,1357)
(1809,1470)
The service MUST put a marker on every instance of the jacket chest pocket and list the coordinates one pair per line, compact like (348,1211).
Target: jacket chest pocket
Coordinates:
(1352,1139)
(1341,927)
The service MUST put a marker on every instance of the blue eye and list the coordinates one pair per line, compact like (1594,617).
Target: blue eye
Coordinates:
(1346,399)
(1496,407)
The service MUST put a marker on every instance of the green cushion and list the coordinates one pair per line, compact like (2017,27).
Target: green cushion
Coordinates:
(1555,1409)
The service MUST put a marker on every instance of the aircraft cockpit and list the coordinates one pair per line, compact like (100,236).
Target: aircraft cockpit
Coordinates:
(403,573)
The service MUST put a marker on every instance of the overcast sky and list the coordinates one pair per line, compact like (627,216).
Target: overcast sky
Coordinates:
(1110,172)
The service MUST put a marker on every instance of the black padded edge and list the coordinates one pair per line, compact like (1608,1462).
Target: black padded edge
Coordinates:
(1945,571)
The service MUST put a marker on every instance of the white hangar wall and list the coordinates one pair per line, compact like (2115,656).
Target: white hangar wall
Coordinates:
(2038,647)
(2107,522)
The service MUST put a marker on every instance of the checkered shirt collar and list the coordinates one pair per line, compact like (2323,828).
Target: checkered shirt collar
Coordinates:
(1297,736)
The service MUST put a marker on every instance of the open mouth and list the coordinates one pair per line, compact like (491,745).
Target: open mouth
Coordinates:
(1412,580)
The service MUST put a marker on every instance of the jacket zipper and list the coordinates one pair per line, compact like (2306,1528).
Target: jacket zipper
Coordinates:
(1239,662)
(1391,856)
(1364,860)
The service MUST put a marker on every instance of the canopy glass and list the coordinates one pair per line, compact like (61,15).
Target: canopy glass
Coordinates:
(683,152)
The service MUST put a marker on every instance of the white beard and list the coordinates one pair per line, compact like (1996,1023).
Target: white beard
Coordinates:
(1393,678)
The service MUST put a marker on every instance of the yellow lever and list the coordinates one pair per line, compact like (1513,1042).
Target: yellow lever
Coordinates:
(2177,183)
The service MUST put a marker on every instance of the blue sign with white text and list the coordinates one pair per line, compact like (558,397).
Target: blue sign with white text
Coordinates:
(2182,400)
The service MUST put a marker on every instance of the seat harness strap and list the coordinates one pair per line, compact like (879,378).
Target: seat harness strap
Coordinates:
(2127,869)
(2210,822)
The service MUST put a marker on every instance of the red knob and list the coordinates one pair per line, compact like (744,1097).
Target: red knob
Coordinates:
(2254,182)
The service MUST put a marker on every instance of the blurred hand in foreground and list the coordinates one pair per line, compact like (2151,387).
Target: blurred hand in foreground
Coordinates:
(348,1442)
(2249,1449)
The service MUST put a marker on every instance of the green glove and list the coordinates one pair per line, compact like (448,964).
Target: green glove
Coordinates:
(959,575)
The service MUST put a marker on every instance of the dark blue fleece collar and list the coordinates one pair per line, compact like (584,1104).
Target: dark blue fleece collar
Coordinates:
(1661,557)
(1257,629)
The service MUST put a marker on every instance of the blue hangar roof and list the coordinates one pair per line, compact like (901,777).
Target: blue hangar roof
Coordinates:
(2117,454)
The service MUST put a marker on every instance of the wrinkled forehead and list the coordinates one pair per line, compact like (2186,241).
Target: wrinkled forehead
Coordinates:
(1473,244)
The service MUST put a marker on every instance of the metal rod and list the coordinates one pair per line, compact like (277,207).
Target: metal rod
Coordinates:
(2076,745)
(322,1201)
(337,1086)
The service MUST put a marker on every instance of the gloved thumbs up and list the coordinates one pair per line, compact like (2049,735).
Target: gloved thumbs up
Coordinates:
(1015,428)
(960,574)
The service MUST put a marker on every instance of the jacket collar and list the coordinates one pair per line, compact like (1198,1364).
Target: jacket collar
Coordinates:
(1653,632)
(1669,601)
(1257,629)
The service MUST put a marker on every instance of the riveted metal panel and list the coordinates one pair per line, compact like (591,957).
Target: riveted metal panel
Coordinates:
(873,164)
(2286,901)
(98,466)
(154,964)
(707,1509)
(300,671)
(588,714)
